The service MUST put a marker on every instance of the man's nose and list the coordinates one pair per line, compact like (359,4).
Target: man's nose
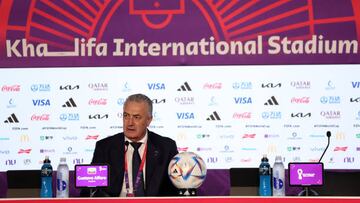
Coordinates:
(131,120)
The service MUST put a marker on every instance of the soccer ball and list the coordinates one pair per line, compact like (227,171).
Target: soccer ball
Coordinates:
(187,170)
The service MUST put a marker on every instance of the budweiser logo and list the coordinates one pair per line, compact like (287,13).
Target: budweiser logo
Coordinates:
(24,151)
(242,115)
(43,117)
(92,137)
(101,101)
(182,149)
(10,88)
(343,149)
(300,100)
(249,136)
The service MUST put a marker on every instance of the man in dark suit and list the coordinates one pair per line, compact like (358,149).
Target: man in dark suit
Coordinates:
(151,179)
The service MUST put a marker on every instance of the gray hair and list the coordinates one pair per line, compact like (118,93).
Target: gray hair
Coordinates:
(141,98)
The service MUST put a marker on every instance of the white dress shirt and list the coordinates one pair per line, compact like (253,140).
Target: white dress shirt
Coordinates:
(128,156)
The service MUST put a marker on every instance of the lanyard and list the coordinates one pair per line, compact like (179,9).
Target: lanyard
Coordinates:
(138,174)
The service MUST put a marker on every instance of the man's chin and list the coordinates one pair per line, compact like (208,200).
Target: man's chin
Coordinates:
(131,135)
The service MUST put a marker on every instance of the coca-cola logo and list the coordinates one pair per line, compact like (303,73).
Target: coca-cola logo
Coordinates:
(98,102)
(217,85)
(300,100)
(43,117)
(243,115)
(10,88)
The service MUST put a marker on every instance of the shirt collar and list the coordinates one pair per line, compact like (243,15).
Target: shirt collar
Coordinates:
(143,140)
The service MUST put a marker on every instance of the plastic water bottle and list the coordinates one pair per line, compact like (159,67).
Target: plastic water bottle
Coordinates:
(278,177)
(62,179)
(264,177)
(46,178)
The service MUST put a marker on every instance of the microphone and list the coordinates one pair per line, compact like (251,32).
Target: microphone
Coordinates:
(328,134)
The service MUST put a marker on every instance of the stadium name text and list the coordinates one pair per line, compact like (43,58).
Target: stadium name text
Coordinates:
(205,47)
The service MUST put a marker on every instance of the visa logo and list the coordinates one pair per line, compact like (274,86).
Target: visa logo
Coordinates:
(355,84)
(185,115)
(243,100)
(41,102)
(156,86)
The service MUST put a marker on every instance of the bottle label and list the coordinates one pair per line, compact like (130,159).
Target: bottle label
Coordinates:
(46,171)
(61,185)
(278,183)
(265,185)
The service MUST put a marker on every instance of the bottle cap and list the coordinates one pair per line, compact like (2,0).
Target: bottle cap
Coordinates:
(278,158)
(47,160)
(265,158)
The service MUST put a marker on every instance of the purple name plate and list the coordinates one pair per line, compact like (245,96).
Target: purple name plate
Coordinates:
(306,174)
(91,176)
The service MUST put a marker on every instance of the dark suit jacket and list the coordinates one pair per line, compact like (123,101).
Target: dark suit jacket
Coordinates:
(160,151)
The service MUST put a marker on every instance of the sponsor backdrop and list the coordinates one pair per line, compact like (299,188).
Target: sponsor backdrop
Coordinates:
(66,67)
(230,118)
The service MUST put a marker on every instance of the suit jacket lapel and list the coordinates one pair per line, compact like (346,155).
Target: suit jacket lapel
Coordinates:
(117,154)
(152,158)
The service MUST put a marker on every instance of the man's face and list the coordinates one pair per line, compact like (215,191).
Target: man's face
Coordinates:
(136,119)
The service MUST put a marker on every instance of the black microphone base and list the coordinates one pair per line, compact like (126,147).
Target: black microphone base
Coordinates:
(308,192)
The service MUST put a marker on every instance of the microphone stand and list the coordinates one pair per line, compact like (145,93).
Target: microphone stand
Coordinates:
(310,192)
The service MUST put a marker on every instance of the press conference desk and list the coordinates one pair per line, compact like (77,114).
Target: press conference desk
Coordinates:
(191,200)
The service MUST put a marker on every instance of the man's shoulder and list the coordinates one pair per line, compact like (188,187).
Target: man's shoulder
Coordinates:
(111,139)
(159,138)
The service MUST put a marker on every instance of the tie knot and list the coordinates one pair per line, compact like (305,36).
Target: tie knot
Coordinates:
(136,145)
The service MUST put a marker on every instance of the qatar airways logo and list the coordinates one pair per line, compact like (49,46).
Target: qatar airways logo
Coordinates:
(97,102)
(301,84)
(331,114)
(244,115)
(212,86)
(98,86)
(10,88)
(42,117)
(300,100)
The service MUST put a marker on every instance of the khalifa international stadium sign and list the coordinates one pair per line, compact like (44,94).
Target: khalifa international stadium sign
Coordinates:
(177,32)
